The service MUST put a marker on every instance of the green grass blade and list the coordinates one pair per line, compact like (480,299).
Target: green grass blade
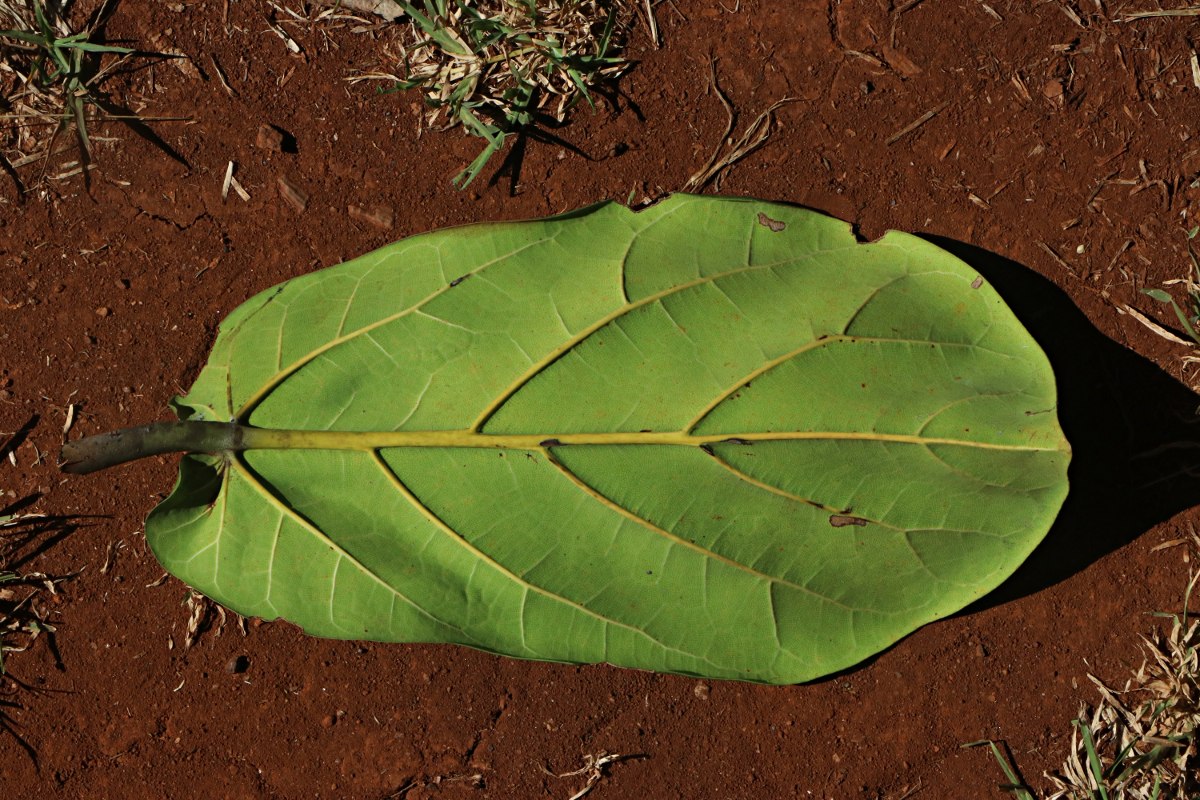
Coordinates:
(1163,297)
(1093,757)
(24,36)
(92,47)
(1015,785)
(42,23)
(463,179)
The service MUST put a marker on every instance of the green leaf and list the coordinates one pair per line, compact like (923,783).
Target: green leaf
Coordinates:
(715,437)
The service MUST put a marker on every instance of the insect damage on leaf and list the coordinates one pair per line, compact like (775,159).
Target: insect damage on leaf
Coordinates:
(701,389)
(774,224)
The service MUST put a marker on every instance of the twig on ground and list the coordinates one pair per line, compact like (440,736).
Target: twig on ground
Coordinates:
(918,122)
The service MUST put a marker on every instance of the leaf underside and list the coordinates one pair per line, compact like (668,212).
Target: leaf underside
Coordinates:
(715,437)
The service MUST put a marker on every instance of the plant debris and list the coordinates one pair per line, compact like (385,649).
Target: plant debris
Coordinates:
(1147,750)
(496,67)
(1131,750)
(47,76)
(728,151)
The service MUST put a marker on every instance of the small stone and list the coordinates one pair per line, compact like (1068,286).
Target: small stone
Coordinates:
(328,720)
(103,311)
(269,138)
(701,690)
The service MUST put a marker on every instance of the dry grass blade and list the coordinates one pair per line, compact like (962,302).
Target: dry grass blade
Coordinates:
(1146,749)
(729,152)
(387,9)
(495,67)
(651,22)
(1153,326)
(1186,11)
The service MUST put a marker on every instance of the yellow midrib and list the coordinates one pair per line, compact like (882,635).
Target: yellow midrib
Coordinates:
(271,439)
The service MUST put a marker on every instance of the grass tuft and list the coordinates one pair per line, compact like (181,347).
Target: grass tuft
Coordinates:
(1139,743)
(47,75)
(1188,314)
(496,67)
(1190,318)
(22,619)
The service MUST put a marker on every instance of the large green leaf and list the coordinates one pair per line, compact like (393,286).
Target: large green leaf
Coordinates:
(716,437)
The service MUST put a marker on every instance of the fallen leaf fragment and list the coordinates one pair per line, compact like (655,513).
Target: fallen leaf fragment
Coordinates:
(1054,92)
(382,217)
(292,195)
(900,62)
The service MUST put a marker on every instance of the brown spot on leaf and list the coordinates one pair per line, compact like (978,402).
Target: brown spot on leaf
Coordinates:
(975,284)
(774,224)
(842,520)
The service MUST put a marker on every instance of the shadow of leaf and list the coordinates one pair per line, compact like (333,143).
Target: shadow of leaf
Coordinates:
(1131,426)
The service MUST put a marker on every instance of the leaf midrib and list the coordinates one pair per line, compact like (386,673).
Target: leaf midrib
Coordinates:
(281,439)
